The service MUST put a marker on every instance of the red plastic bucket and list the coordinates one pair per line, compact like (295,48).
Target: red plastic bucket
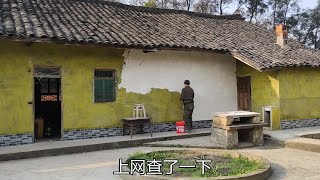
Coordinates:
(180,127)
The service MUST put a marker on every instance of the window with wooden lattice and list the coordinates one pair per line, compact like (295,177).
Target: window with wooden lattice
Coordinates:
(50,89)
(104,86)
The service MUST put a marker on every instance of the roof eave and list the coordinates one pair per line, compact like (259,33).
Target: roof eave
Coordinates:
(31,40)
(247,61)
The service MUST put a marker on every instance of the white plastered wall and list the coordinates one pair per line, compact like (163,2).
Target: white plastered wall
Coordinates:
(212,76)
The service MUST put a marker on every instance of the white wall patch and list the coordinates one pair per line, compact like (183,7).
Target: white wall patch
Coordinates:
(212,77)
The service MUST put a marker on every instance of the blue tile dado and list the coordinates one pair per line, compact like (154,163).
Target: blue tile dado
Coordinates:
(15,139)
(26,138)
(117,131)
(299,123)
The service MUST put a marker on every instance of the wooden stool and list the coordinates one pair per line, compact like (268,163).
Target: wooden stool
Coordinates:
(132,122)
(139,111)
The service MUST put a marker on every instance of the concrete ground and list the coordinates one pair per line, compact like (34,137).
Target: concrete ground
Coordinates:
(197,142)
(43,149)
(290,138)
(286,163)
(290,134)
(290,164)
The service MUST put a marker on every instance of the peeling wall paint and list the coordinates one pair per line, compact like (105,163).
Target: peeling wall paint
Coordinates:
(212,77)
(77,65)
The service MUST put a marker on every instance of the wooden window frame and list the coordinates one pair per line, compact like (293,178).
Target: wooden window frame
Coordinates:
(105,78)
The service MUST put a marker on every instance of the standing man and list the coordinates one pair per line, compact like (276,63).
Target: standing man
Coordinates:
(187,96)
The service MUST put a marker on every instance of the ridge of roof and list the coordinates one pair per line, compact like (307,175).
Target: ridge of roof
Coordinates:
(162,10)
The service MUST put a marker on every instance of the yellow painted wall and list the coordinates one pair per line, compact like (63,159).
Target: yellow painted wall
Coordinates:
(264,86)
(296,91)
(300,93)
(77,64)
(264,91)
(15,90)
(275,116)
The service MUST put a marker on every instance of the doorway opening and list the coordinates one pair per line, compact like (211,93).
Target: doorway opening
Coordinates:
(47,103)
(267,117)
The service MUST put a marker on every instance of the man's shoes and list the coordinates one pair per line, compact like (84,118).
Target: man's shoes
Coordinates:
(189,131)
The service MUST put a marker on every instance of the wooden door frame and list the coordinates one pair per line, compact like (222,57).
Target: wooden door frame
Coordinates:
(250,92)
(34,103)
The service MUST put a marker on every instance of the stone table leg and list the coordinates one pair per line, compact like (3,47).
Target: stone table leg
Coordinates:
(124,129)
(228,139)
(150,127)
(257,136)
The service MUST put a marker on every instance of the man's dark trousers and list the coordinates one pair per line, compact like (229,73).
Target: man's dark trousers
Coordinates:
(187,115)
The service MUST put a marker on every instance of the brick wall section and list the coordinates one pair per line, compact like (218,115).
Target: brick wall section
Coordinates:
(26,138)
(91,133)
(117,131)
(290,124)
(15,139)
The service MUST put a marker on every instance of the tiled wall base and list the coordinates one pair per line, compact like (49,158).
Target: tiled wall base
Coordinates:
(91,133)
(117,131)
(290,124)
(202,124)
(15,139)
(26,138)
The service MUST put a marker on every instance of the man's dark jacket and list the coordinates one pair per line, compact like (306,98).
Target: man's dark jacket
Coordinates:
(187,95)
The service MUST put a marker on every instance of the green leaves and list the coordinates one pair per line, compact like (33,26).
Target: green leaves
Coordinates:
(305,26)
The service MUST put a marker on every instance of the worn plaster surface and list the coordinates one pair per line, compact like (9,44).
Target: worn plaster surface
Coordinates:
(156,83)
(77,65)
(212,77)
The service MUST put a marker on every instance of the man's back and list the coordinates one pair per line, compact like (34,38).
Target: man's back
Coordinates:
(187,95)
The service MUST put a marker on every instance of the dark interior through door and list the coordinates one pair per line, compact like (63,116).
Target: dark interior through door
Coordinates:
(48,106)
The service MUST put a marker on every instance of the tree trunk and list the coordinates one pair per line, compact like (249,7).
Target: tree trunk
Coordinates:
(285,13)
(274,15)
(188,4)
(305,39)
(316,39)
(221,7)
(253,12)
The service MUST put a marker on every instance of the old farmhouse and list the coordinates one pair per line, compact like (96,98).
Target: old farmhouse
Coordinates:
(80,66)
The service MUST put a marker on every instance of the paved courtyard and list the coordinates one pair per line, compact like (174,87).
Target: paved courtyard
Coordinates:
(287,164)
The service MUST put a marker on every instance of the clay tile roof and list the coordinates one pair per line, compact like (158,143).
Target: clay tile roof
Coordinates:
(115,24)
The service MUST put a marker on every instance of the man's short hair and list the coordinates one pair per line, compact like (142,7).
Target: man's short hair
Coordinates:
(187,82)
